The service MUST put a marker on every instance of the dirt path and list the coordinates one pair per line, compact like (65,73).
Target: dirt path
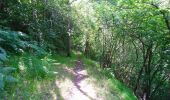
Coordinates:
(71,81)
(80,82)
(79,88)
(82,89)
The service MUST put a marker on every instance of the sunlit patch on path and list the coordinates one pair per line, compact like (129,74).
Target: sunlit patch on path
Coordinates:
(78,88)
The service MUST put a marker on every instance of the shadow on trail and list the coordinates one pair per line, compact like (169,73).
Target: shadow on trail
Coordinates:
(78,77)
(72,82)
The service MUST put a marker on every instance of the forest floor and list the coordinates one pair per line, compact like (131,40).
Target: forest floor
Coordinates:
(80,89)
(74,79)
(81,86)
(82,79)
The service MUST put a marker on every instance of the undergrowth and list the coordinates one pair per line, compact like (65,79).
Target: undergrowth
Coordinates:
(37,75)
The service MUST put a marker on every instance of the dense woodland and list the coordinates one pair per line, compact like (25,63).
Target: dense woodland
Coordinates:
(128,38)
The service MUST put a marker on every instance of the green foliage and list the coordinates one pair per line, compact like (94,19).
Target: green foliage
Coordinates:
(16,42)
(5,72)
(133,36)
(5,76)
(3,56)
(30,66)
(1,81)
(118,89)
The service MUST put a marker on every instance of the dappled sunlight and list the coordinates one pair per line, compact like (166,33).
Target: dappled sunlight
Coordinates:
(64,86)
(74,80)
(53,95)
(69,70)
(47,90)
(123,95)
(102,88)
(82,86)
(76,88)
(56,63)
(84,49)
(21,65)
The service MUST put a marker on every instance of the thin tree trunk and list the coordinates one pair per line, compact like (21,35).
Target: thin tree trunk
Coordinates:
(69,46)
(138,80)
(141,70)
(69,39)
(147,88)
(86,51)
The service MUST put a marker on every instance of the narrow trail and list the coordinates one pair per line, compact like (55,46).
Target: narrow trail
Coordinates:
(82,89)
(79,88)
(78,81)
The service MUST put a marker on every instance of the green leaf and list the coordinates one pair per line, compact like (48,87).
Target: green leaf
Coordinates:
(2,39)
(2,54)
(10,79)
(7,70)
(1,81)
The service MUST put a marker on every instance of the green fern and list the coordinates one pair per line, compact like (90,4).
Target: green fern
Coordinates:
(5,76)
(1,81)
(17,41)
(2,54)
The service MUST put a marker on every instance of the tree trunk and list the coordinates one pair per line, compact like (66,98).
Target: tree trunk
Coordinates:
(138,80)
(147,85)
(87,46)
(69,38)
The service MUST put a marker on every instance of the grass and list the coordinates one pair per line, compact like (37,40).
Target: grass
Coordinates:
(39,80)
(123,92)
(118,89)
